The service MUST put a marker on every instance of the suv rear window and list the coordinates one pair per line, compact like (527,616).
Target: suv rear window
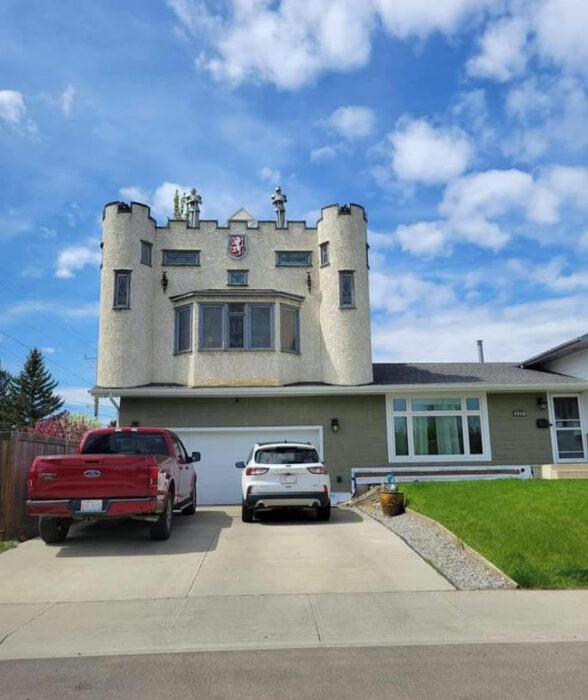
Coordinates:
(286,455)
(125,444)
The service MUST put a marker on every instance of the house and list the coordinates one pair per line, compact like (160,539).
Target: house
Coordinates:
(260,330)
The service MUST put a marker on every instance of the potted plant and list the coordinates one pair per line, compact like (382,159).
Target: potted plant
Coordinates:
(391,500)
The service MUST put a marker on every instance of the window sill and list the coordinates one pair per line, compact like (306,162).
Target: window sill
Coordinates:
(291,352)
(146,264)
(325,264)
(239,350)
(442,459)
(344,308)
(121,308)
(182,352)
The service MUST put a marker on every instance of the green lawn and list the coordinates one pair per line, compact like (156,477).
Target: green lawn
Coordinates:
(535,531)
(6,545)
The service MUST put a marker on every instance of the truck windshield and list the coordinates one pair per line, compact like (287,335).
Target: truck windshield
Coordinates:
(125,444)
(286,455)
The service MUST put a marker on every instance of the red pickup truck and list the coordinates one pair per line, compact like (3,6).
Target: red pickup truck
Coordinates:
(139,473)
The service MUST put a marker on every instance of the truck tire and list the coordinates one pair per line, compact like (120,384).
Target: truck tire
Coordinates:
(323,512)
(246,514)
(190,509)
(53,530)
(162,527)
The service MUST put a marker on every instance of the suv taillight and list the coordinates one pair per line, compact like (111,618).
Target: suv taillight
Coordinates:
(256,471)
(317,470)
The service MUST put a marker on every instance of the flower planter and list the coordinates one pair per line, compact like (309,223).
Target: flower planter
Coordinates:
(392,502)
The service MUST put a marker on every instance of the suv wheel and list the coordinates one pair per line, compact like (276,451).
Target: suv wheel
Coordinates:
(323,512)
(162,527)
(246,513)
(53,530)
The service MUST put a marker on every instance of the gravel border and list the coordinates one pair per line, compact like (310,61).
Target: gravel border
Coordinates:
(446,553)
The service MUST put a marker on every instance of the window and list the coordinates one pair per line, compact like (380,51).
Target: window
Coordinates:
(181,257)
(125,443)
(346,290)
(236,326)
(146,253)
(289,329)
(122,289)
(324,250)
(238,278)
(292,258)
(437,428)
(183,329)
(287,455)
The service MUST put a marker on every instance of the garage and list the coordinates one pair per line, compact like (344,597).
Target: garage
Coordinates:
(219,482)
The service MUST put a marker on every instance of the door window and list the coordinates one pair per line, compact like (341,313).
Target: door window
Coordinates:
(568,428)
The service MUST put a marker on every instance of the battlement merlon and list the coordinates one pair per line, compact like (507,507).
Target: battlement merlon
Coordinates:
(351,209)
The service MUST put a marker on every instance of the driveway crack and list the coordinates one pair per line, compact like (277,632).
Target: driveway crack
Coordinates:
(314,615)
(198,568)
(27,622)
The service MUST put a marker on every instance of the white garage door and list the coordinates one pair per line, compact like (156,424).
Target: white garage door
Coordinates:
(219,481)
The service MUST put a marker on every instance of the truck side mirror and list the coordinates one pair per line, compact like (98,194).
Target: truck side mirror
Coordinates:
(240,465)
(195,456)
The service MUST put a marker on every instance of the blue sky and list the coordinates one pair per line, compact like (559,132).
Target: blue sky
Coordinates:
(461,127)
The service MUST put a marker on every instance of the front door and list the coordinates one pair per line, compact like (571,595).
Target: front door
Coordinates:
(567,429)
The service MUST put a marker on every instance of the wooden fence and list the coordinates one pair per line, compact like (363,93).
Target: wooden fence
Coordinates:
(17,452)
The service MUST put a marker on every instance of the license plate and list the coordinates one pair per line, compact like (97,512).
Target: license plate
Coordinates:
(92,506)
(287,479)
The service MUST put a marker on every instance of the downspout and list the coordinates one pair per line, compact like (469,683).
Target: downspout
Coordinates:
(117,406)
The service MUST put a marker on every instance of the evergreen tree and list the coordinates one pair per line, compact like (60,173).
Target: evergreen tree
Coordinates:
(5,382)
(31,393)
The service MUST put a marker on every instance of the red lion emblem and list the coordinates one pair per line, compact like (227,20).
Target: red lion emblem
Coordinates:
(237,246)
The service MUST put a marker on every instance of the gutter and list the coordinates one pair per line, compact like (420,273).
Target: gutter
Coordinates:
(330,390)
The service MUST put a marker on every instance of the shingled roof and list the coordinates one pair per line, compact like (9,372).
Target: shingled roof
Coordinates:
(489,373)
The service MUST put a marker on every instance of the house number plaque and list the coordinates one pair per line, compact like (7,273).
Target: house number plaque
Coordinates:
(519,413)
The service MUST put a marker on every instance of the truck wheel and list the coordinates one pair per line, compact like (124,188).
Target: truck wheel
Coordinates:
(53,530)
(323,512)
(162,527)
(190,509)
(246,514)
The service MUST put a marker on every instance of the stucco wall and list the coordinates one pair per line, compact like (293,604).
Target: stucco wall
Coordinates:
(361,440)
(136,345)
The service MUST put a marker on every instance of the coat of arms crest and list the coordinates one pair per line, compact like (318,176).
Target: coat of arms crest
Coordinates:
(237,246)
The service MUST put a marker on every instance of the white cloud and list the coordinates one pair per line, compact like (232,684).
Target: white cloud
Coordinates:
(72,259)
(317,155)
(134,194)
(50,308)
(583,240)
(12,106)
(423,153)
(400,291)
(48,350)
(425,238)
(12,224)
(352,121)
(292,42)
(67,99)
(560,27)
(269,175)
(503,50)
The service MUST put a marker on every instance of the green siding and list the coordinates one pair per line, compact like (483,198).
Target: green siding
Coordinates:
(361,440)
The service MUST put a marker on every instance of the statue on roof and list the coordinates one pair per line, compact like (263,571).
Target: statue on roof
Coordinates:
(193,202)
(279,200)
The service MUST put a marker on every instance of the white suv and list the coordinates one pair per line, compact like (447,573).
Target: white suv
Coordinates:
(285,474)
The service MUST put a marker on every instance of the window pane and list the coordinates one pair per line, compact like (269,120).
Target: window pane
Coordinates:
(287,455)
(299,258)
(324,247)
(181,257)
(146,253)
(289,341)
(346,291)
(236,328)
(122,289)
(436,404)
(473,404)
(183,329)
(400,435)
(261,330)
(569,444)
(566,408)
(438,435)
(238,278)
(475,435)
(211,325)
(399,404)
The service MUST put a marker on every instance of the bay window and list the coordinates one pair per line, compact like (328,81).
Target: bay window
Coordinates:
(236,326)
(438,428)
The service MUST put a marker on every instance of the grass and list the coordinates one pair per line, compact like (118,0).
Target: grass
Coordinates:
(5,546)
(534,531)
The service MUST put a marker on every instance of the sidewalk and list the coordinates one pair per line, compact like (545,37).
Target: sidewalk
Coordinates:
(209,623)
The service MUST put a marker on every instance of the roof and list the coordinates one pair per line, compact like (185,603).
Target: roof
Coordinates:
(388,378)
(482,373)
(570,346)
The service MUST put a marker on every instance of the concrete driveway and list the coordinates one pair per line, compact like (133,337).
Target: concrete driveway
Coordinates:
(214,554)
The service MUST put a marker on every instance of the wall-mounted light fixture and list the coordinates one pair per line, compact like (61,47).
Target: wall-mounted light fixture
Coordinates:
(335,425)
(542,403)
(164,282)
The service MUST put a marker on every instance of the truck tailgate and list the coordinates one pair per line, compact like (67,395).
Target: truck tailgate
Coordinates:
(92,476)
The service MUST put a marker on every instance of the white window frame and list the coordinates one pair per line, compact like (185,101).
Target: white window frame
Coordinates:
(553,429)
(409,413)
